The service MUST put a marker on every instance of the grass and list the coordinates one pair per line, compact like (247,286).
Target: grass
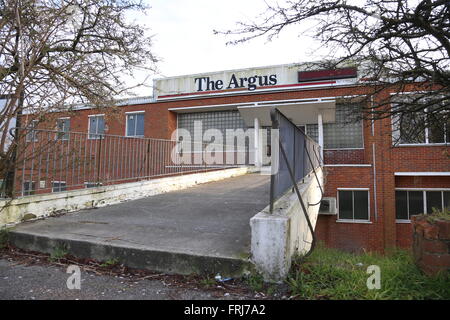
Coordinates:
(255,281)
(110,263)
(58,253)
(333,274)
(208,282)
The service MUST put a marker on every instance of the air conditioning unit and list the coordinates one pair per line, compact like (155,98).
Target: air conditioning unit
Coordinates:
(328,206)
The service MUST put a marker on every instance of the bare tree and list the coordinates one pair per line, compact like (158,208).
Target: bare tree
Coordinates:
(398,46)
(55,54)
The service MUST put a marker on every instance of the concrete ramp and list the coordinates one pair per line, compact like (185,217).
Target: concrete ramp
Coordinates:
(203,229)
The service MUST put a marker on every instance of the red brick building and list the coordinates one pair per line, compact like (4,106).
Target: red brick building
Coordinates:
(372,184)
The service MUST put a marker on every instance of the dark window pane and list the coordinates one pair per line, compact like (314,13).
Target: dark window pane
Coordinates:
(101,125)
(28,188)
(140,124)
(345,205)
(64,127)
(411,128)
(447,130)
(436,134)
(434,200)
(401,205)
(361,203)
(447,199)
(58,186)
(92,125)
(131,124)
(415,202)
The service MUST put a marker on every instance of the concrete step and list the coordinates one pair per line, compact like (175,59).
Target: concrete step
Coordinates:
(133,256)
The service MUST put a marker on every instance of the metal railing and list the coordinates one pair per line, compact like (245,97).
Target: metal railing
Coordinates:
(55,161)
(298,156)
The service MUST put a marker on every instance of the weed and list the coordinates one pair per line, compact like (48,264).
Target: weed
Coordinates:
(255,281)
(58,253)
(438,215)
(208,282)
(110,262)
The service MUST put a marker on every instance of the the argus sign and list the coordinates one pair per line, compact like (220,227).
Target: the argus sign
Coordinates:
(251,83)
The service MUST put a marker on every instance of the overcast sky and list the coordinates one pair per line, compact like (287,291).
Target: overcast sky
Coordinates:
(184,38)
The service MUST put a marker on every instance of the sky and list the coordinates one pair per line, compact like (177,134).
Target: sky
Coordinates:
(184,39)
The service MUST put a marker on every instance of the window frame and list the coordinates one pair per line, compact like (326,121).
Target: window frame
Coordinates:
(31,126)
(66,135)
(96,184)
(31,191)
(424,199)
(353,206)
(97,135)
(53,187)
(396,131)
(126,124)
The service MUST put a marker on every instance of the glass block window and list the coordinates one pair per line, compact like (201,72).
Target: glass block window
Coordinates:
(135,124)
(221,120)
(96,126)
(347,131)
(312,130)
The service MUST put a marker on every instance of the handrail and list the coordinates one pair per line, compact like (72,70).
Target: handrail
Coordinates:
(275,125)
(315,174)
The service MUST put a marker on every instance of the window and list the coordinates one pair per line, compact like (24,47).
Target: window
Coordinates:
(422,127)
(58,186)
(412,202)
(31,133)
(63,127)
(96,126)
(347,131)
(92,184)
(221,120)
(353,205)
(311,130)
(28,188)
(135,124)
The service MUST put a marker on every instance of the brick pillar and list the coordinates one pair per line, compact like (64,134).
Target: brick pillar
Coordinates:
(431,246)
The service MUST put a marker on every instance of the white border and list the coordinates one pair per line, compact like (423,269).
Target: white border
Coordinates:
(422,174)
(126,123)
(89,125)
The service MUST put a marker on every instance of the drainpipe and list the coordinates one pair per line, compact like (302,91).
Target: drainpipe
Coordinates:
(257,143)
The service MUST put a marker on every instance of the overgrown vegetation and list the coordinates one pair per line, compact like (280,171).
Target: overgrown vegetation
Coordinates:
(333,274)
(439,215)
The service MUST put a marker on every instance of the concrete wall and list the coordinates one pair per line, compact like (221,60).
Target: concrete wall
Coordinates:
(39,206)
(277,237)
